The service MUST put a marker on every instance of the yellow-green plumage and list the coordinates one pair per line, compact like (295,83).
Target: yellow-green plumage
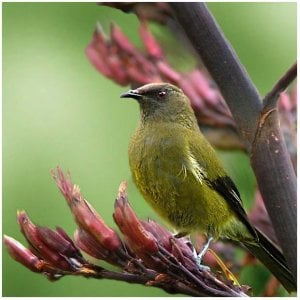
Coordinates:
(178,173)
(167,173)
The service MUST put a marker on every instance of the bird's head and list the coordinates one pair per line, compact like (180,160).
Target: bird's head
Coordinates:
(161,101)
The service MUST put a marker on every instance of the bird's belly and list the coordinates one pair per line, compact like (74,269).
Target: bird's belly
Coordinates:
(178,197)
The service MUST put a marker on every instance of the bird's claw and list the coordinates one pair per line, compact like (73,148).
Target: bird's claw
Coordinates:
(198,257)
(203,267)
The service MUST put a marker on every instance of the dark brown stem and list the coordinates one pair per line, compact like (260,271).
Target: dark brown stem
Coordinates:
(127,277)
(223,64)
(271,99)
(271,161)
(282,188)
(146,278)
(269,156)
(269,145)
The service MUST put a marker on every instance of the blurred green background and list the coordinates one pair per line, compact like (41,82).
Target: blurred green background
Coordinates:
(58,110)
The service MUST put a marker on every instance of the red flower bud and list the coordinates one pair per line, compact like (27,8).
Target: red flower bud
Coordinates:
(58,243)
(166,72)
(60,231)
(22,255)
(85,215)
(121,40)
(96,59)
(88,219)
(151,45)
(202,86)
(89,244)
(29,230)
(162,235)
(64,183)
(131,227)
(118,69)
(31,233)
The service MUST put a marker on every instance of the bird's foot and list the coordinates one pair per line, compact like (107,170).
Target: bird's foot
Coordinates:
(198,262)
(203,268)
(199,256)
(204,250)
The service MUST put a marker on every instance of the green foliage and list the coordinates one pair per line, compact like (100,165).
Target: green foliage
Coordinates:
(57,109)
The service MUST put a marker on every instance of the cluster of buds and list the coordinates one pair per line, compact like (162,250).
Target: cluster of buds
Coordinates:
(148,253)
(51,252)
(119,60)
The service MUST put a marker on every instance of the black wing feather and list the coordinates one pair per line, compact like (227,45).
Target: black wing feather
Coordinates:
(226,188)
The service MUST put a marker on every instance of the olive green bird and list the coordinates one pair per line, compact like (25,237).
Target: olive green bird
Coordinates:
(178,173)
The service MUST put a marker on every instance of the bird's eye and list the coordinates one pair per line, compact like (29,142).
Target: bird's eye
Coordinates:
(162,94)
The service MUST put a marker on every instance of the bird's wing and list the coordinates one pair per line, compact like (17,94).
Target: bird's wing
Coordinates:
(227,189)
(196,169)
(217,179)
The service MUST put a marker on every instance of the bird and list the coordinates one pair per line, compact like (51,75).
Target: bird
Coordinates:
(178,173)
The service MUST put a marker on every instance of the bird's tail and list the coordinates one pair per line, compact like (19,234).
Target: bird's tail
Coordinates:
(273,259)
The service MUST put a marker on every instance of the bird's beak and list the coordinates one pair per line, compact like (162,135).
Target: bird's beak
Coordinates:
(132,94)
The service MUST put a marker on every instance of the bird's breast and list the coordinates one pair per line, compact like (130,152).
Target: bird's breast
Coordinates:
(152,154)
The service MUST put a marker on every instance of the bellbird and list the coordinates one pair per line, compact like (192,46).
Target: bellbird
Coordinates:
(178,173)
